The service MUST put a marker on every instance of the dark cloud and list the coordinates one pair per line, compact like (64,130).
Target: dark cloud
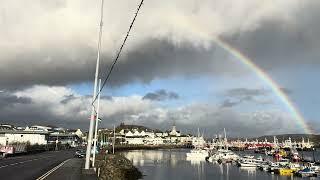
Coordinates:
(228,103)
(8,100)
(278,44)
(246,93)
(237,96)
(271,42)
(286,91)
(161,95)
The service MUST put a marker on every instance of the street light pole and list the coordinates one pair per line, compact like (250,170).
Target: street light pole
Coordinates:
(89,143)
(114,138)
(96,128)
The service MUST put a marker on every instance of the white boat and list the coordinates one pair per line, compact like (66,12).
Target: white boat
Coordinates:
(198,154)
(249,161)
(314,167)
(284,162)
(273,166)
(224,155)
(264,166)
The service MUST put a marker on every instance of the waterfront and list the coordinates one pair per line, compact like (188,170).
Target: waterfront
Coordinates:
(173,164)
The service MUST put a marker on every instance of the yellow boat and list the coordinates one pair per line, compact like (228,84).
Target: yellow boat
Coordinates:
(286,171)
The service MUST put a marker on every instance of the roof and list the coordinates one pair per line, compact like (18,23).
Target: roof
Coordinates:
(62,135)
(22,132)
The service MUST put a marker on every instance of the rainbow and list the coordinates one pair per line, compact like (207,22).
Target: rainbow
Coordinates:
(192,26)
(268,80)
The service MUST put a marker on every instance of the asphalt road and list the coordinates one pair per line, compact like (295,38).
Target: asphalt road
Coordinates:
(31,166)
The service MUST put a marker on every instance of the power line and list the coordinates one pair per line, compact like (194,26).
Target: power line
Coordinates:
(119,52)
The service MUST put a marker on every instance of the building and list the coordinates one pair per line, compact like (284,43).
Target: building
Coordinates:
(62,138)
(38,128)
(8,137)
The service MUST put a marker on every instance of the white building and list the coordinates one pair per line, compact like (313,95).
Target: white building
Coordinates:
(12,136)
(38,128)
(174,131)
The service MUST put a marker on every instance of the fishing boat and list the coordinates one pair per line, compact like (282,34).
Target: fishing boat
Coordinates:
(224,155)
(249,161)
(306,172)
(198,154)
(288,170)
(273,166)
(264,166)
(283,162)
(314,167)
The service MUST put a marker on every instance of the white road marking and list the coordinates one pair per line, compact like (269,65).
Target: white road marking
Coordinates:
(52,170)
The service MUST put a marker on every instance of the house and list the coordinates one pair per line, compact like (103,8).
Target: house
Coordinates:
(77,132)
(135,140)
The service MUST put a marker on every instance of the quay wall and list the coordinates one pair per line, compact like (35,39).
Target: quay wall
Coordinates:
(145,147)
(116,167)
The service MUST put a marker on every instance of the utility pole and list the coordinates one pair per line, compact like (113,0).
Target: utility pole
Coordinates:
(57,141)
(114,138)
(96,128)
(89,143)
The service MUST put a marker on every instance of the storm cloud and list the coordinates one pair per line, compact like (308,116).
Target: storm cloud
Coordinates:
(48,45)
(55,43)
(236,96)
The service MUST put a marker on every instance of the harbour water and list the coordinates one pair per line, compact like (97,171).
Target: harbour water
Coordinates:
(173,165)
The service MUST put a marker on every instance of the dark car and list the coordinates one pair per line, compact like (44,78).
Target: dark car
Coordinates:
(80,154)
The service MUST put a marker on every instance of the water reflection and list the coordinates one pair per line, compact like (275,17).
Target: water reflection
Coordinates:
(251,171)
(174,165)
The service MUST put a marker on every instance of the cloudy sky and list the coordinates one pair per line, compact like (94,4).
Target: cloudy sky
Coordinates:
(171,69)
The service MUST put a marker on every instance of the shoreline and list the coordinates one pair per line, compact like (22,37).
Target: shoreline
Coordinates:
(146,147)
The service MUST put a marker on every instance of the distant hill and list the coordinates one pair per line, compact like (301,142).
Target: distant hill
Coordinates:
(130,127)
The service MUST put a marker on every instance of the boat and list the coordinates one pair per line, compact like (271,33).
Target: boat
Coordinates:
(273,166)
(284,171)
(306,172)
(224,155)
(249,161)
(314,167)
(288,170)
(198,154)
(264,166)
(284,162)
(295,155)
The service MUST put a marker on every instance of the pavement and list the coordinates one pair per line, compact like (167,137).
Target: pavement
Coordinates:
(31,166)
(60,165)
(71,169)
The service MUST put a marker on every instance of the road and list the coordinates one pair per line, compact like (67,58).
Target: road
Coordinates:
(31,166)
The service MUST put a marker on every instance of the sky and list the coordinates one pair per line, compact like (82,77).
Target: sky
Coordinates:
(171,69)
